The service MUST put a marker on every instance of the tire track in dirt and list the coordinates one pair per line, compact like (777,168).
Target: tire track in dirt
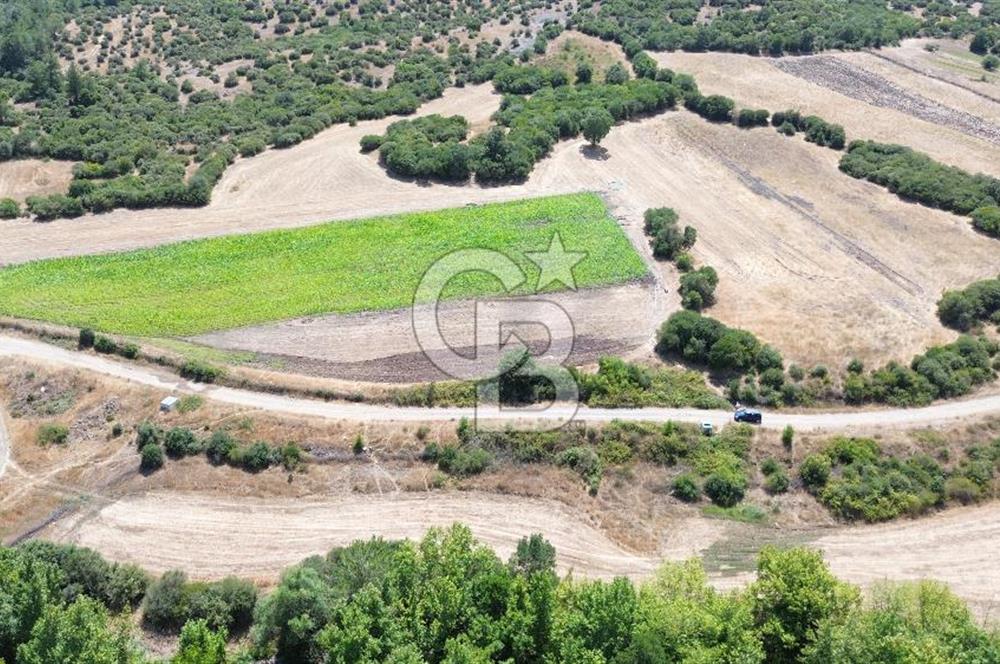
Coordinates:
(863,85)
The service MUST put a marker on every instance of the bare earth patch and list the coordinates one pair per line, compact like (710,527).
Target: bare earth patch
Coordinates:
(381,346)
(34,177)
(214,536)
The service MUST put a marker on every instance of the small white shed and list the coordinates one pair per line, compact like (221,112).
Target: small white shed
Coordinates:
(168,404)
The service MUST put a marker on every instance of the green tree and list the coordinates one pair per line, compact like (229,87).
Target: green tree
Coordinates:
(77,634)
(27,586)
(584,72)
(200,645)
(793,595)
(616,74)
(596,124)
(534,555)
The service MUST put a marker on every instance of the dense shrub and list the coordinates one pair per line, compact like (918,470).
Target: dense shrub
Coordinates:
(941,372)
(855,480)
(698,288)
(987,220)
(714,108)
(748,118)
(816,129)
(9,208)
(725,489)
(53,434)
(978,302)
(171,601)
(201,372)
(917,177)
(685,487)
(151,457)
(84,572)
(667,239)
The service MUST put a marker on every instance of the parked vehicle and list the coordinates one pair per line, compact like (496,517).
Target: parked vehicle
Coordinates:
(748,415)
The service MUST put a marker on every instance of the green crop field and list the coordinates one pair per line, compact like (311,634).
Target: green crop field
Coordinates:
(370,264)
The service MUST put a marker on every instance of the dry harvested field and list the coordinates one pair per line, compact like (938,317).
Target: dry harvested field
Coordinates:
(218,536)
(214,536)
(958,547)
(34,177)
(846,98)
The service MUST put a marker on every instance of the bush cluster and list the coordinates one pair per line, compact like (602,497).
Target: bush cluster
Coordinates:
(816,129)
(941,372)
(220,447)
(526,129)
(855,480)
(172,601)
(915,176)
(976,303)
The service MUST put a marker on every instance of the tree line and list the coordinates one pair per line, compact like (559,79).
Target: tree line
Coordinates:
(915,176)
(450,599)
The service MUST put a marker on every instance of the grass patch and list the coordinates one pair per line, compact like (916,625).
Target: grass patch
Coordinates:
(341,267)
(741,513)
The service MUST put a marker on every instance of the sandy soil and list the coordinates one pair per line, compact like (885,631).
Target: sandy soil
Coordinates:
(381,346)
(34,177)
(759,83)
(213,536)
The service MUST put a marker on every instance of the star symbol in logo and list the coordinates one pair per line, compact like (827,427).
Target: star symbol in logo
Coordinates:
(556,264)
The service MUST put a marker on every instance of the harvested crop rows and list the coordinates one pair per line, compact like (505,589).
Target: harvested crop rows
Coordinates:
(859,83)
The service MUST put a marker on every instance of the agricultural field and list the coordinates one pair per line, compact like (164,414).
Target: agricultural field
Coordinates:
(788,205)
(344,267)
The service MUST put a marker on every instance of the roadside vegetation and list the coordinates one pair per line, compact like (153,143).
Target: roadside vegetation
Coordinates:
(856,481)
(449,598)
(340,267)
(156,444)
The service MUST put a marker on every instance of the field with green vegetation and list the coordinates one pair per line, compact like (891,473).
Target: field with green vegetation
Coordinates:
(370,264)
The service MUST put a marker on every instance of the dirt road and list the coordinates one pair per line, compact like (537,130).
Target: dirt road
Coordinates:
(862,420)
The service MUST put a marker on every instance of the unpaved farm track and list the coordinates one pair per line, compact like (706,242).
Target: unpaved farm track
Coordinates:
(869,420)
(859,83)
